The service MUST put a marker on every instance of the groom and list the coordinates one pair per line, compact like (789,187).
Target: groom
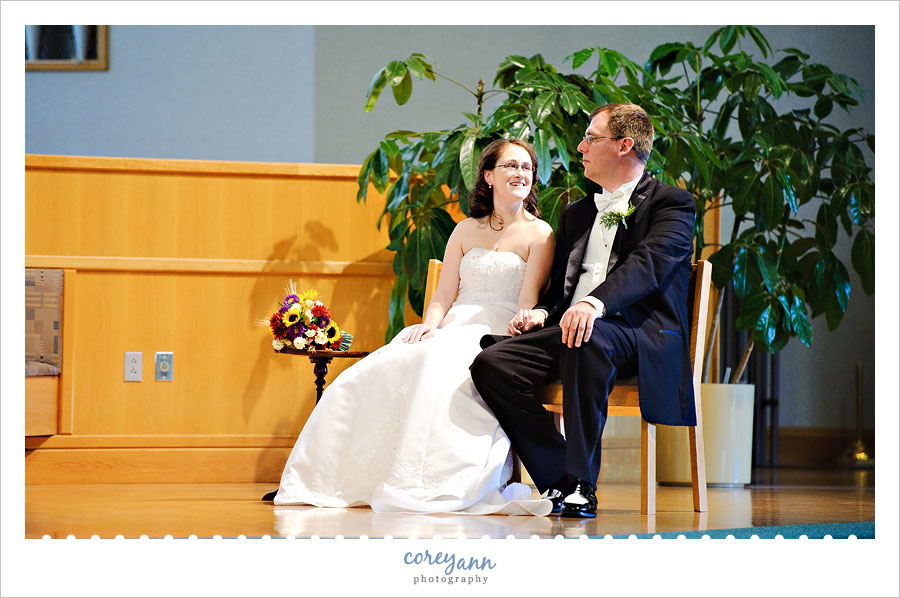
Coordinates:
(616,304)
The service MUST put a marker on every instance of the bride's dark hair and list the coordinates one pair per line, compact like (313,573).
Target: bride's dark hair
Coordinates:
(481,200)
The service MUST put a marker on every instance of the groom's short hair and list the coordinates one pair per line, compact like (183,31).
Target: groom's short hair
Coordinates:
(629,120)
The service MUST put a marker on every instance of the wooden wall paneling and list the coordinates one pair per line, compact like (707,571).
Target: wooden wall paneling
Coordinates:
(227,378)
(124,465)
(41,405)
(67,367)
(186,256)
(268,217)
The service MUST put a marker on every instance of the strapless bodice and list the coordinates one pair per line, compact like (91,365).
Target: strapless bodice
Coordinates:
(490,277)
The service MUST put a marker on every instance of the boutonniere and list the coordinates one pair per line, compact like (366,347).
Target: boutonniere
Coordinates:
(616,214)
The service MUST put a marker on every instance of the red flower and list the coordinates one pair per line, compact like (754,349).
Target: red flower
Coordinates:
(277,325)
(320,311)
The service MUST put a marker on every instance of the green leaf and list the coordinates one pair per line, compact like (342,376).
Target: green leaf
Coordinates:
(375,86)
(787,189)
(526,74)
(542,107)
(761,42)
(398,193)
(429,63)
(712,40)
(742,278)
(608,60)
(380,170)
(665,50)
(768,269)
(767,325)
(416,67)
(823,107)
(568,101)
(728,38)
(767,217)
(580,57)
(862,256)
(402,90)
(561,149)
(796,52)
(468,160)
(800,323)
(542,146)
(396,307)
(362,179)
(841,285)
(395,71)
(398,235)
(750,310)
(787,67)
(699,159)
(390,147)
(723,265)
(826,227)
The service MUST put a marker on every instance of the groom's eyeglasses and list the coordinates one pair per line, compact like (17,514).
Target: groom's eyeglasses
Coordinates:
(526,167)
(592,139)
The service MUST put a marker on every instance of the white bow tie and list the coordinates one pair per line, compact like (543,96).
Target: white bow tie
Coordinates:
(605,201)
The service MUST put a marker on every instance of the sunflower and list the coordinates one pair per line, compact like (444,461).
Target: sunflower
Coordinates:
(292,316)
(310,295)
(333,333)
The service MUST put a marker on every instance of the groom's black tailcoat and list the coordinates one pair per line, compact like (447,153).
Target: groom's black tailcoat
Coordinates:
(646,327)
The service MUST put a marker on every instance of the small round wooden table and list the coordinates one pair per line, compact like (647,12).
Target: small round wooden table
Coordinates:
(320,360)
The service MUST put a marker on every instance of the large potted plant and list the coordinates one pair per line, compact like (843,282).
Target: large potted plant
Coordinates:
(720,134)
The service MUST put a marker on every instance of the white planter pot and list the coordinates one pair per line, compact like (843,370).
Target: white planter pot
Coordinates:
(727,439)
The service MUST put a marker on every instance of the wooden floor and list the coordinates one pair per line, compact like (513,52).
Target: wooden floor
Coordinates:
(777,497)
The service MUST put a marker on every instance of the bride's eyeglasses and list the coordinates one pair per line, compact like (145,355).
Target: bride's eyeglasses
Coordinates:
(526,167)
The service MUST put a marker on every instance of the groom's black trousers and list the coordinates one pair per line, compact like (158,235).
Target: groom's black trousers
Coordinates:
(508,372)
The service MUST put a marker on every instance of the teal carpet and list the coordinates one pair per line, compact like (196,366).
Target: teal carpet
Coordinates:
(813,531)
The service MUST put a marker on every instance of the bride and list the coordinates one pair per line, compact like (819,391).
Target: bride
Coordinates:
(404,429)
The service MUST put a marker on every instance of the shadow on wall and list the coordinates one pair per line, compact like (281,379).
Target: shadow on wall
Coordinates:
(351,294)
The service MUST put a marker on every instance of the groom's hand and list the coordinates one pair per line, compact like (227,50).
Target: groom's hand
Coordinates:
(577,324)
(525,320)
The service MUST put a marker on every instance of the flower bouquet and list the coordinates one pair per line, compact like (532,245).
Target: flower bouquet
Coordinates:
(303,322)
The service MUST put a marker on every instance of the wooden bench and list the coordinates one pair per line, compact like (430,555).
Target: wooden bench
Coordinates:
(624,400)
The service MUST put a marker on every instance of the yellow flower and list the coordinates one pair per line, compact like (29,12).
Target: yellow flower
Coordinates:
(311,294)
(292,315)
(332,333)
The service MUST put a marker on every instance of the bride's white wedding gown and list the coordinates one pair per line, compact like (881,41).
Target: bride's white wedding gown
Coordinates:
(404,429)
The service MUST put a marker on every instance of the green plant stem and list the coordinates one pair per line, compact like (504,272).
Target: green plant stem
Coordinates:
(437,74)
(745,358)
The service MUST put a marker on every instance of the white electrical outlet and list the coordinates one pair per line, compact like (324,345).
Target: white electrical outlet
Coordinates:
(133,366)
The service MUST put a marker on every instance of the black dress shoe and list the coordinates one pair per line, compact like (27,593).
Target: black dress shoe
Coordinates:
(582,502)
(555,497)
(558,491)
(270,495)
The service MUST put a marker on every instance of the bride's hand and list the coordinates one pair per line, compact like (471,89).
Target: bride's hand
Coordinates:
(524,321)
(417,333)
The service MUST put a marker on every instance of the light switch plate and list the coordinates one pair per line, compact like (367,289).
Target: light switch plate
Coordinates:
(133,366)
(164,362)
